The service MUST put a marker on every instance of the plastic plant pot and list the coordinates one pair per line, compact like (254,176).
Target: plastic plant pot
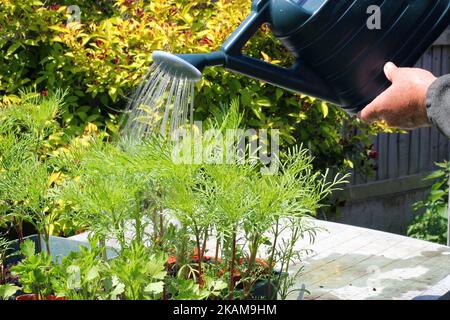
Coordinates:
(59,248)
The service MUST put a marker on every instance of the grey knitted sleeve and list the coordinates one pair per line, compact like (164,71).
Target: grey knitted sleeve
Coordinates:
(438,104)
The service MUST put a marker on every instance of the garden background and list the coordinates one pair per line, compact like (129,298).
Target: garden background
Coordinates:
(100,53)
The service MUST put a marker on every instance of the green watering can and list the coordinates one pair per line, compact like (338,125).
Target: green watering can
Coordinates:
(339,55)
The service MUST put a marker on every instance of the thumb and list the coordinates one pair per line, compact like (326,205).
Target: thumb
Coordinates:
(375,110)
(391,71)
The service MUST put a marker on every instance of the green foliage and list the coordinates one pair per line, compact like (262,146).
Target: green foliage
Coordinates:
(34,124)
(121,189)
(104,190)
(141,272)
(185,289)
(102,59)
(84,275)
(7,291)
(25,193)
(30,132)
(5,253)
(431,225)
(163,211)
(260,207)
(35,270)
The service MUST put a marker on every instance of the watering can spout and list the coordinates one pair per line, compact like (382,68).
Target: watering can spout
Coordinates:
(189,66)
(298,78)
(202,60)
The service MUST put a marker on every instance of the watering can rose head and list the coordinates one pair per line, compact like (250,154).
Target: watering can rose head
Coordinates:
(176,66)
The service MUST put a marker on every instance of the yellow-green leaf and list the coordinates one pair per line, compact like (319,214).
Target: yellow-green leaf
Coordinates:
(263,102)
(265,56)
(324,108)
(13,48)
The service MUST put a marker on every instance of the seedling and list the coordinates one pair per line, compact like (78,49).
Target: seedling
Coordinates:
(35,271)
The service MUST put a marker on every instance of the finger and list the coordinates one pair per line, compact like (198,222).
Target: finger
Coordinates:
(370,113)
(391,71)
(374,111)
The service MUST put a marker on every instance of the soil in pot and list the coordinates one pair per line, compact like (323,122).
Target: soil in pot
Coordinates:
(262,289)
(9,278)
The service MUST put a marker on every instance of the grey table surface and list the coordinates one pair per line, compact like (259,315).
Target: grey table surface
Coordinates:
(352,263)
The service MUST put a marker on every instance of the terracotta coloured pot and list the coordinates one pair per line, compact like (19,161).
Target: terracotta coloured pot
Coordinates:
(34,297)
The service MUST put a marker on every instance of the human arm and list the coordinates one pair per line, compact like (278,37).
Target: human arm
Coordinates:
(415,99)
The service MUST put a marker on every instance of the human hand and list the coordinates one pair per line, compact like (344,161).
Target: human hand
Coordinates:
(402,105)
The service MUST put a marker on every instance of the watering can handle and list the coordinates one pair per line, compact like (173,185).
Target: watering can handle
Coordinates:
(258,16)
(298,78)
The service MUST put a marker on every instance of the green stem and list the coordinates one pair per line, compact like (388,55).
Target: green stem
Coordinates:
(287,258)
(233,258)
(18,225)
(251,263)
(291,247)
(216,256)
(199,255)
(38,293)
(161,224)
(205,240)
(182,250)
(102,244)
(138,225)
(47,243)
(39,241)
(120,234)
(272,255)
(2,273)
(155,226)
(47,235)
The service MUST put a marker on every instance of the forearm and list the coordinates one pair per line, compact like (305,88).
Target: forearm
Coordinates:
(438,104)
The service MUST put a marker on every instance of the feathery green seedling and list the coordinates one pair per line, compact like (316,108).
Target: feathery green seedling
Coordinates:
(5,253)
(27,131)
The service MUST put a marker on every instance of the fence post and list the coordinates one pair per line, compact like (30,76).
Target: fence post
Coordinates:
(448,216)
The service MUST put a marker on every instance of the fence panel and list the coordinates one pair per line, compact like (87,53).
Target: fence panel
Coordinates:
(417,151)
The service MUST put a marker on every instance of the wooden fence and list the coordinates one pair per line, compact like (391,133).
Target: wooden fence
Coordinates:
(385,201)
(415,152)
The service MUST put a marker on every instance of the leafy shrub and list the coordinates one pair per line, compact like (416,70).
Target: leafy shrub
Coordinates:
(31,133)
(431,225)
(102,60)
(7,291)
